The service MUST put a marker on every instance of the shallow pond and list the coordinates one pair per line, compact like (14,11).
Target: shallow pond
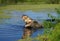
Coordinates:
(12,29)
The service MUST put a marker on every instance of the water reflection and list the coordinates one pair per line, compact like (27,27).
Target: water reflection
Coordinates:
(12,28)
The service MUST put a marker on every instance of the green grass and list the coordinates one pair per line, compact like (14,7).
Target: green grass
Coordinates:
(4,15)
(53,36)
(30,7)
(26,7)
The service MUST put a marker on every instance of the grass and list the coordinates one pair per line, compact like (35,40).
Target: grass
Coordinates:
(52,36)
(30,7)
(4,15)
(26,7)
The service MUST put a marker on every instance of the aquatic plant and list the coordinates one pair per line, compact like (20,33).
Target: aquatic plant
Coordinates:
(3,16)
(50,34)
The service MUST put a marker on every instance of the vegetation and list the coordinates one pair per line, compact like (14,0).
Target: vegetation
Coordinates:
(30,7)
(5,2)
(4,16)
(24,8)
(52,31)
(53,35)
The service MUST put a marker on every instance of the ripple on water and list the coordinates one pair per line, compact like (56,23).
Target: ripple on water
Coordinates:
(13,28)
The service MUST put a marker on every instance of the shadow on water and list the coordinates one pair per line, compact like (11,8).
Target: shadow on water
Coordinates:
(12,29)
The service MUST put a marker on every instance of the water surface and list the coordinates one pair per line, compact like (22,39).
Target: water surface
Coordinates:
(12,29)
